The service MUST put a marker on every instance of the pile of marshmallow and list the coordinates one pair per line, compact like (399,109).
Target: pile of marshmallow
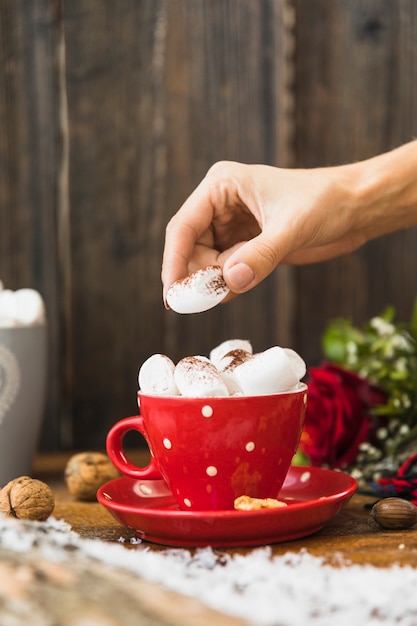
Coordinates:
(232,369)
(23,307)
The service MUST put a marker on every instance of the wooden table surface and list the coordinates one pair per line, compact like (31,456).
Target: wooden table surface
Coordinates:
(351,535)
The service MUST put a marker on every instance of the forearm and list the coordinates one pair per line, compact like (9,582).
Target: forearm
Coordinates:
(385,191)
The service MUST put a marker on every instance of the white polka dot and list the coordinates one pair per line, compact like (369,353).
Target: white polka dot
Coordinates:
(187,502)
(145,489)
(250,446)
(211,470)
(305,476)
(207,410)
(167,444)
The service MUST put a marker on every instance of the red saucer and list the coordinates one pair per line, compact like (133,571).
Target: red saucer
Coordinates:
(147,506)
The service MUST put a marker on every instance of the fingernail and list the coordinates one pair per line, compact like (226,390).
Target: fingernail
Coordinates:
(240,276)
(166,305)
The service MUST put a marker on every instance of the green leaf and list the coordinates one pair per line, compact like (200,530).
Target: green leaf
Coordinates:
(301,458)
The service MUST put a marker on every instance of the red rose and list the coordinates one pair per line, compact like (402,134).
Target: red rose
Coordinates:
(337,415)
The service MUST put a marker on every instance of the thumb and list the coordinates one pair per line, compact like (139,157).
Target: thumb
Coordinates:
(250,264)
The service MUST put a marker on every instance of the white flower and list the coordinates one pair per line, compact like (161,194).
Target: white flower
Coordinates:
(404,429)
(400,365)
(402,343)
(351,352)
(405,401)
(382,433)
(383,328)
(356,473)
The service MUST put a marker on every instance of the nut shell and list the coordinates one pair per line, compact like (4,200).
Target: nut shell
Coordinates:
(85,472)
(394,513)
(27,498)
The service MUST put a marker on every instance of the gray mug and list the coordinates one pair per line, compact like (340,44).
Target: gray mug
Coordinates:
(23,379)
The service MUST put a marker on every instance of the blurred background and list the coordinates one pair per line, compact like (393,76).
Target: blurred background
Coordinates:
(112,112)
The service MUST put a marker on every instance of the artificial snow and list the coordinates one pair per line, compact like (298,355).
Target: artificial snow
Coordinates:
(289,590)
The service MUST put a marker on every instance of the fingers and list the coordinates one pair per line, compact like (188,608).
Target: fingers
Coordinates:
(209,208)
(182,233)
(250,264)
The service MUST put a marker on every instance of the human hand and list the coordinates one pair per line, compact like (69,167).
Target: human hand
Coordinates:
(250,218)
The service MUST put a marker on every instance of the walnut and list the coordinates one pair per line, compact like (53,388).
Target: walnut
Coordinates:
(86,472)
(27,498)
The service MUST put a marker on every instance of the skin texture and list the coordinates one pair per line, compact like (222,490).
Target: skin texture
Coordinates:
(250,218)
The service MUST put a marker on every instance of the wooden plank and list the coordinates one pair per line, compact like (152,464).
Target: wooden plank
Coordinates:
(157,92)
(143,97)
(356,77)
(29,168)
(237,94)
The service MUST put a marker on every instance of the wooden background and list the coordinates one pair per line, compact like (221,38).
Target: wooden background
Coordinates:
(110,114)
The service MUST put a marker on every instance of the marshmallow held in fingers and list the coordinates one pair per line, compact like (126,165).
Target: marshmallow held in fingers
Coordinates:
(156,376)
(197,377)
(227,366)
(198,292)
(217,353)
(267,372)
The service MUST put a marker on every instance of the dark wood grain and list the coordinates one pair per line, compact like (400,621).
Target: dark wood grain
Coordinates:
(356,96)
(30,170)
(157,92)
(110,114)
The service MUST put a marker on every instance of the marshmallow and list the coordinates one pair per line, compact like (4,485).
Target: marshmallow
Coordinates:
(198,292)
(297,363)
(7,308)
(30,309)
(217,354)
(197,377)
(267,372)
(227,366)
(156,376)
(24,307)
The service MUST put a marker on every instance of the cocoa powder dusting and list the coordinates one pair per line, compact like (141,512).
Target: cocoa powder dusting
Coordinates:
(198,369)
(237,357)
(212,287)
(216,284)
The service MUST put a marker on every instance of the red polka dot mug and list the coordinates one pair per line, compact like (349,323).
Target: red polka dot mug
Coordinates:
(212,450)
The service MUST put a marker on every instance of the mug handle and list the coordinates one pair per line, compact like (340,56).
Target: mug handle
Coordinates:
(117,455)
